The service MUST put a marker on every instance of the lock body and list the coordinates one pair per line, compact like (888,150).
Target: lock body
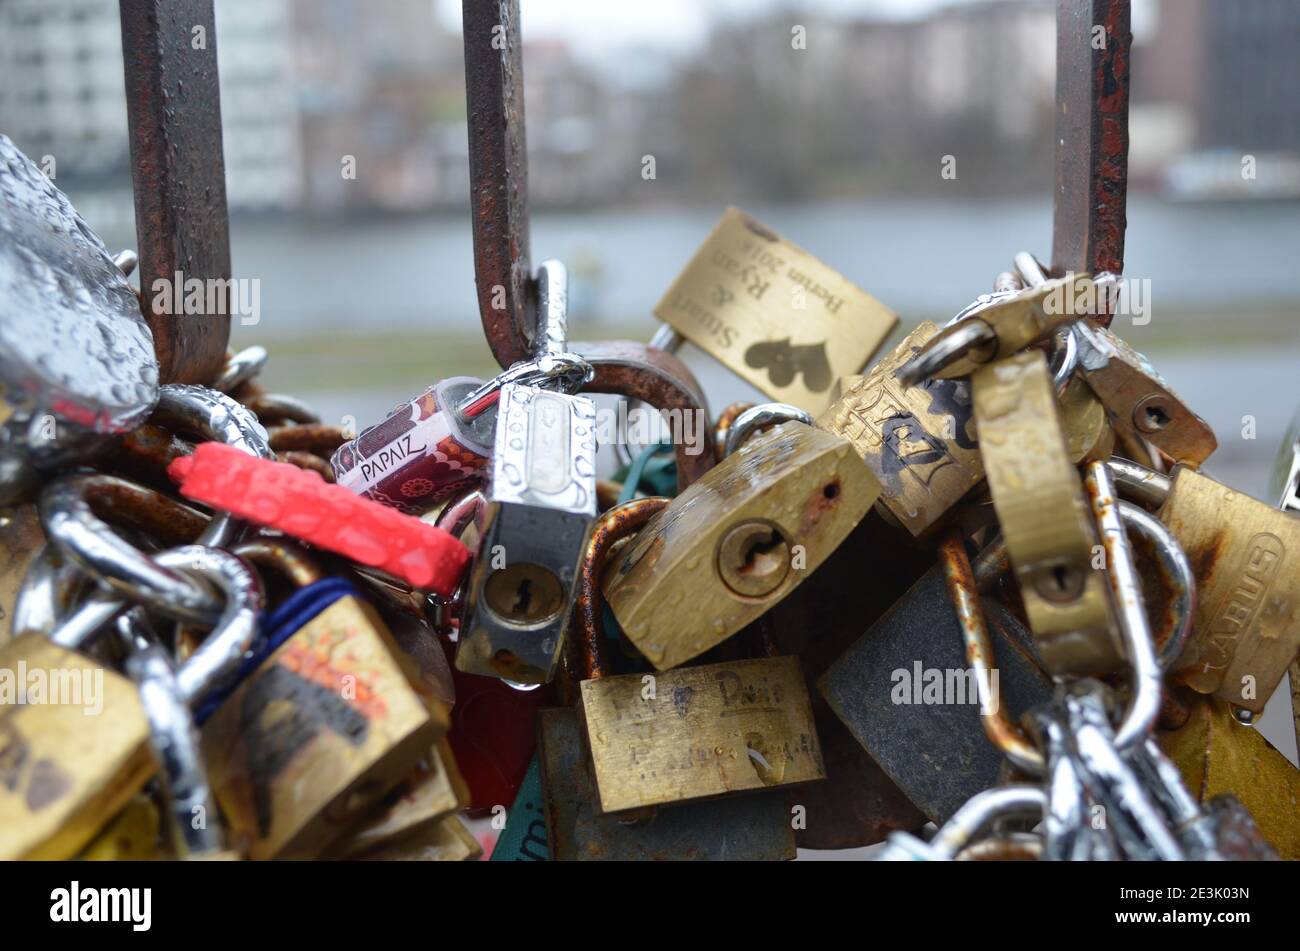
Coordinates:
(1247,624)
(906,693)
(317,734)
(432,791)
(752,828)
(699,732)
(1218,755)
(1138,401)
(773,314)
(918,441)
(737,541)
(68,763)
(447,840)
(541,506)
(1049,532)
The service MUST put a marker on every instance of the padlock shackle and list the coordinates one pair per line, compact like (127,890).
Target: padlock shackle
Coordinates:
(282,555)
(1140,483)
(240,368)
(218,658)
(618,523)
(1126,586)
(982,810)
(964,594)
(175,741)
(761,417)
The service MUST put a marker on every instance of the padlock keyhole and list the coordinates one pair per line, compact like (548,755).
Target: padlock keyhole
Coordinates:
(522,597)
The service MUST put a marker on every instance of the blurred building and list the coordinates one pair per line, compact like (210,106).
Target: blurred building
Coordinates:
(1216,113)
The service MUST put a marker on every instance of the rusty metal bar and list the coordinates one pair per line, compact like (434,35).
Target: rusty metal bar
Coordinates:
(498,171)
(1093,42)
(179,174)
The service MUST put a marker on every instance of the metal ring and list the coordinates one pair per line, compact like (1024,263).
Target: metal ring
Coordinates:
(1064,360)
(982,809)
(1135,631)
(1030,271)
(48,590)
(175,743)
(88,540)
(1178,574)
(240,368)
(759,417)
(222,651)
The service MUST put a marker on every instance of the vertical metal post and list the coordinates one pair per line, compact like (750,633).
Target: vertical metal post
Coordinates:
(179,174)
(1093,42)
(498,170)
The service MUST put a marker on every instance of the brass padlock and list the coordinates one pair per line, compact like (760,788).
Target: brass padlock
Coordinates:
(447,840)
(737,541)
(134,834)
(1216,755)
(1050,536)
(319,730)
(1247,625)
(917,441)
(1139,403)
(773,314)
(433,790)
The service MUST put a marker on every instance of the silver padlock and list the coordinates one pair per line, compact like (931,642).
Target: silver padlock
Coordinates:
(534,528)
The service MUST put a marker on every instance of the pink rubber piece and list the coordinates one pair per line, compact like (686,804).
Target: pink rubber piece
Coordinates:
(300,503)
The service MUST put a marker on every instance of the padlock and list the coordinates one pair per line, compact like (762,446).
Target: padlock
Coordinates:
(1139,403)
(1039,502)
(773,314)
(134,834)
(66,772)
(432,791)
(325,719)
(1217,754)
(1247,626)
(907,694)
(77,362)
(737,541)
(539,512)
(752,827)
(917,440)
(439,443)
(692,732)
(447,840)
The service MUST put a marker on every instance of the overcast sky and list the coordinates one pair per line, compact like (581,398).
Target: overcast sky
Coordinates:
(592,27)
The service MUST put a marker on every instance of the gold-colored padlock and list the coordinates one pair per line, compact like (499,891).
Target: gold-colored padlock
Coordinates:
(1050,536)
(321,730)
(699,732)
(433,790)
(74,748)
(447,840)
(1246,629)
(134,834)
(1216,755)
(773,314)
(917,440)
(21,541)
(1139,403)
(737,541)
